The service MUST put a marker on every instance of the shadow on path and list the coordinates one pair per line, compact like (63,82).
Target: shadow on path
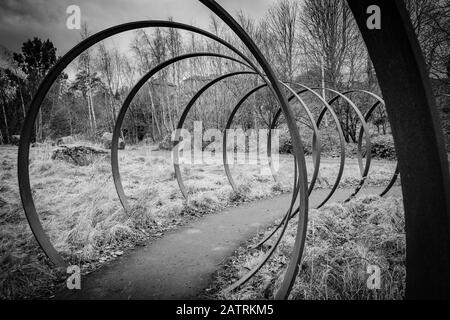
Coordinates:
(181,264)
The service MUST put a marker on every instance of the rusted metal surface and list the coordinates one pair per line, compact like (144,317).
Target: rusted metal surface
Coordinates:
(419,142)
(316,140)
(44,87)
(125,106)
(410,105)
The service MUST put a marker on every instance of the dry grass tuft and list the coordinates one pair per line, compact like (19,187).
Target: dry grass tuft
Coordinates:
(83,217)
(342,241)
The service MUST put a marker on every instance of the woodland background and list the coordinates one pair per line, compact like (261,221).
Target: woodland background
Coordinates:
(313,42)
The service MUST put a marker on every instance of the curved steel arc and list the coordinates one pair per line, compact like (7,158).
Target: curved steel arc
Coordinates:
(183,119)
(178,174)
(322,114)
(227,127)
(125,106)
(342,156)
(267,256)
(341,137)
(361,132)
(379,101)
(338,125)
(230,119)
(316,136)
(316,143)
(368,115)
(299,244)
(327,107)
(397,170)
(44,87)
(419,139)
(286,218)
(316,152)
(364,125)
(403,85)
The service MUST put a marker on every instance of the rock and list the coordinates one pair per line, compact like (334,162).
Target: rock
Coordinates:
(15,140)
(37,145)
(166,143)
(206,144)
(147,141)
(107,141)
(78,155)
(65,140)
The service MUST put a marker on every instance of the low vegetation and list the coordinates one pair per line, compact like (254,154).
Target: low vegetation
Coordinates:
(342,241)
(80,210)
(383,147)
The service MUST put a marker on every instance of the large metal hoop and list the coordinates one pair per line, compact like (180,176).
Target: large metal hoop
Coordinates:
(419,142)
(296,255)
(316,142)
(26,134)
(183,119)
(125,106)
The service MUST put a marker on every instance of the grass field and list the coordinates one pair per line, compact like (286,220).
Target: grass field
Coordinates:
(342,241)
(80,210)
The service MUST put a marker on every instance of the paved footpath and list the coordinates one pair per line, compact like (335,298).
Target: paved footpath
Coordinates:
(181,264)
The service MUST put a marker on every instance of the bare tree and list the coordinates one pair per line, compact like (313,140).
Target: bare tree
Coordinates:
(6,95)
(329,32)
(87,79)
(282,25)
(330,35)
(144,63)
(431,22)
(110,67)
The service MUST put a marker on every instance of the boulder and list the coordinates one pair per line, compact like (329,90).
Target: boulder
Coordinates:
(148,140)
(206,144)
(78,155)
(15,140)
(65,140)
(107,141)
(37,145)
(166,143)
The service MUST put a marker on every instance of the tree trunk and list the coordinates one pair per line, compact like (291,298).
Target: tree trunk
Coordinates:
(40,126)
(324,93)
(6,121)
(22,102)
(154,117)
(89,112)
(94,119)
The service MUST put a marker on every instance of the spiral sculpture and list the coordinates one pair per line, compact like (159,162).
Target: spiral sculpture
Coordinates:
(403,83)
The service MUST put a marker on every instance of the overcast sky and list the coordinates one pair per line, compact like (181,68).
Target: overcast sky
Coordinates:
(23,19)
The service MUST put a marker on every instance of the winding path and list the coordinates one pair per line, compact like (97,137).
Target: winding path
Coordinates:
(181,264)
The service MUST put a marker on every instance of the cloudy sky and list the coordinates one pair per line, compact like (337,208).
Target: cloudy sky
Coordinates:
(23,19)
